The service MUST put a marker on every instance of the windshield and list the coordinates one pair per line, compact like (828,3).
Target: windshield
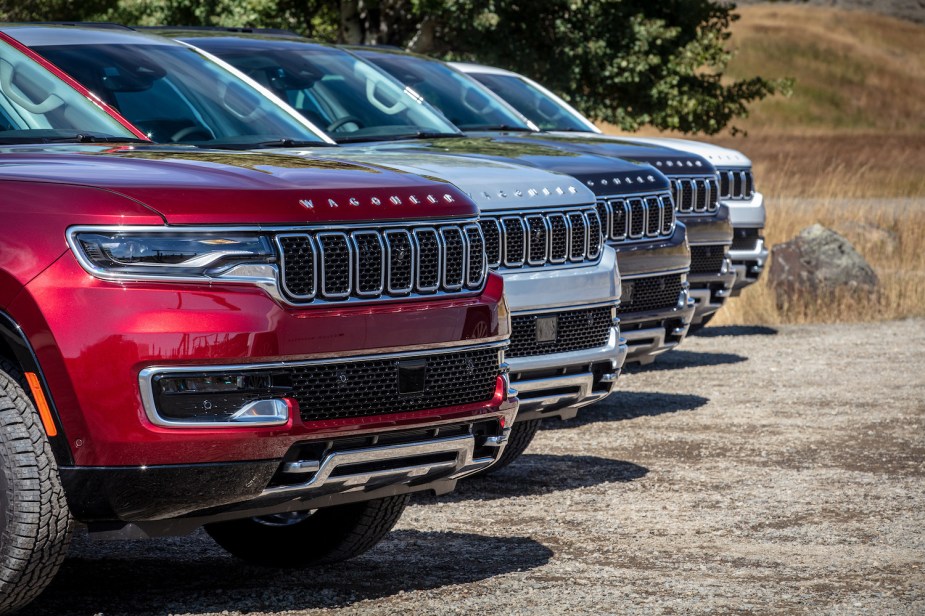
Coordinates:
(464,101)
(36,106)
(177,95)
(349,98)
(541,108)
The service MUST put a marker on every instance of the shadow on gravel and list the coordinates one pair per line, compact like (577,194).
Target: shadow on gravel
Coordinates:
(622,405)
(193,575)
(680,358)
(533,474)
(735,330)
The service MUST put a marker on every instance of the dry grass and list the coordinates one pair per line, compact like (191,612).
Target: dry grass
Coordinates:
(890,234)
(847,150)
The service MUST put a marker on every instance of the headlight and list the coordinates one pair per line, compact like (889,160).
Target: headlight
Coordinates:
(185,255)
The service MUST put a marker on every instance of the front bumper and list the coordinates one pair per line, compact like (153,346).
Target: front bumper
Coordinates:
(652,331)
(710,291)
(748,217)
(649,334)
(748,262)
(557,385)
(126,502)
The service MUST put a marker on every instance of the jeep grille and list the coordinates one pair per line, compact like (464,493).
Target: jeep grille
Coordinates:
(646,217)
(536,239)
(375,263)
(695,195)
(736,184)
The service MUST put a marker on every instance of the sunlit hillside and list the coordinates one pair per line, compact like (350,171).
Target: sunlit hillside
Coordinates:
(847,148)
(855,72)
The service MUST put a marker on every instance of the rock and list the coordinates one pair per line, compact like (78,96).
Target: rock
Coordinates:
(818,263)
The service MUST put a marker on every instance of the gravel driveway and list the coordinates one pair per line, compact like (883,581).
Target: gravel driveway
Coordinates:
(755,469)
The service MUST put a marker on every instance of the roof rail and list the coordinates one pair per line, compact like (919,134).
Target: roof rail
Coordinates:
(229,29)
(108,25)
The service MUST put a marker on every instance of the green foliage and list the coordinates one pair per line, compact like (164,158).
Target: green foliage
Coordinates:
(627,62)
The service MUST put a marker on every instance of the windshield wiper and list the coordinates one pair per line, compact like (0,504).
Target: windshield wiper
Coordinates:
(507,127)
(421,134)
(259,145)
(78,138)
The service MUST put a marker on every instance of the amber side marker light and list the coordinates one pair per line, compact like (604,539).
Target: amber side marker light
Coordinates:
(42,404)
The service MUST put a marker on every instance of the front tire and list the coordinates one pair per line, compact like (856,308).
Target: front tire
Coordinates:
(323,536)
(35,522)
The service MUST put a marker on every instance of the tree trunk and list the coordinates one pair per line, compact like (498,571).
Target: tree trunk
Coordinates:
(351,30)
(423,41)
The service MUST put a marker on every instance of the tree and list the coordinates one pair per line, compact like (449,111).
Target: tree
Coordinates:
(627,62)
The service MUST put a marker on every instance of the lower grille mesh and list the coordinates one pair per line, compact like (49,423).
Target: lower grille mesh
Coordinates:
(371,387)
(707,259)
(576,330)
(654,293)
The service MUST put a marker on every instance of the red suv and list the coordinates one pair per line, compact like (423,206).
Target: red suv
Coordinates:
(278,349)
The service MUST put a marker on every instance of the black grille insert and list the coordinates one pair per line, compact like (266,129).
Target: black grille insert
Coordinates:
(655,293)
(575,330)
(374,386)
(707,259)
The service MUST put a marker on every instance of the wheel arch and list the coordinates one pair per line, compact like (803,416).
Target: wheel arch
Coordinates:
(15,347)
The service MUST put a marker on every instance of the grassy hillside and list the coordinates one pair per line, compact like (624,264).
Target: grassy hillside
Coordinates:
(846,150)
(856,72)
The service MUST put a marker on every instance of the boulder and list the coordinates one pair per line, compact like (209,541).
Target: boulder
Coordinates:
(818,264)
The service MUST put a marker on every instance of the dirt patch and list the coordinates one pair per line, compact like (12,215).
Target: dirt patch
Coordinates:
(778,470)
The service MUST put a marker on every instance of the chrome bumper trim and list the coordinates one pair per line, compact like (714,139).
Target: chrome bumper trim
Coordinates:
(462,463)
(748,264)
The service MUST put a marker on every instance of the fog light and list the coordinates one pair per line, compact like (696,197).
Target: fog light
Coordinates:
(217,399)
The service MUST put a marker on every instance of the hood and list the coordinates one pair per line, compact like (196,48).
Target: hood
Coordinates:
(602,174)
(190,186)
(669,161)
(720,157)
(491,184)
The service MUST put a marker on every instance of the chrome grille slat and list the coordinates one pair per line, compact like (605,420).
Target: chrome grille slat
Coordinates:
(336,265)
(302,282)
(515,244)
(558,244)
(454,258)
(331,265)
(400,261)
(654,218)
(578,226)
(637,218)
(369,262)
(620,213)
(428,246)
(475,273)
(667,215)
(595,235)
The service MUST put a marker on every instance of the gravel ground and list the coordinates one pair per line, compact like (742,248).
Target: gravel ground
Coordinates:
(753,470)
